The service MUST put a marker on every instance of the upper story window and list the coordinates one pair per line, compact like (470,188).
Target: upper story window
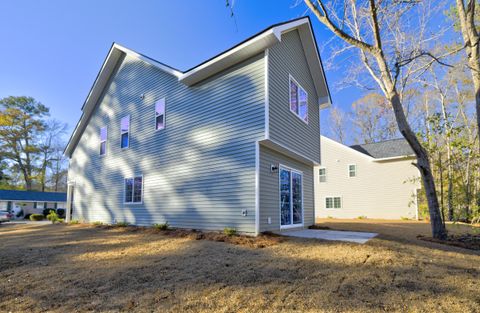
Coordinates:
(125,132)
(133,189)
(298,100)
(322,174)
(160,114)
(103,141)
(352,170)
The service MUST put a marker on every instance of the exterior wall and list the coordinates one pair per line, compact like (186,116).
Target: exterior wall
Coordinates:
(284,59)
(199,172)
(270,193)
(383,190)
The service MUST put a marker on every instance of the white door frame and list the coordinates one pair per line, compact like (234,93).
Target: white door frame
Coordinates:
(291,170)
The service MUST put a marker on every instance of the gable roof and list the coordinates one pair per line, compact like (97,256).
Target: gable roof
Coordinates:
(385,149)
(242,51)
(23,195)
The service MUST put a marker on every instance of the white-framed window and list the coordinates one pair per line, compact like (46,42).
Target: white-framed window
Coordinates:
(352,170)
(322,174)
(103,140)
(298,100)
(125,132)
(333,202)
(160,114)
(133,189)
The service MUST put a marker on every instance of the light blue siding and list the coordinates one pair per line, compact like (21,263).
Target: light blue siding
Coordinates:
(199,172)
(288,58)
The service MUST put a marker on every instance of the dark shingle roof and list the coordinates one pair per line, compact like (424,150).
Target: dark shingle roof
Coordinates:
(385,149)
(38,196)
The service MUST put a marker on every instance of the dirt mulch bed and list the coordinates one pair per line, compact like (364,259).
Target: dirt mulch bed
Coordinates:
(260,241)
(466,241)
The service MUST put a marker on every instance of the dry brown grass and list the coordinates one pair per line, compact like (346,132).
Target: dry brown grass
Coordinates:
(78,268)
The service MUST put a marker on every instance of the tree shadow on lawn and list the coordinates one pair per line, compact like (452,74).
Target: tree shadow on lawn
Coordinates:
(84,270)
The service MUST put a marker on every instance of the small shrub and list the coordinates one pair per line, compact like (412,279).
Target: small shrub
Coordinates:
(97,223)
(36,217)
(404,218)
(330,217)
(53,217)
(163,226)
(362,217)
(122,224)
(74,222)
(229,231)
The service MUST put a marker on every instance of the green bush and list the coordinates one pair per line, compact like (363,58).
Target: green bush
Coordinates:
(74,222)
(362,217)
(122,224)
(36,217)
(97,223)
(53,217)
(229,231)
(163,226)
(404,218)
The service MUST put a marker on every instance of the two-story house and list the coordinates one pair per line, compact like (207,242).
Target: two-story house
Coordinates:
(231,142)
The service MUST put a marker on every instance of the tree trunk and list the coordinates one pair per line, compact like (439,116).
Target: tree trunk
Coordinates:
(423,164)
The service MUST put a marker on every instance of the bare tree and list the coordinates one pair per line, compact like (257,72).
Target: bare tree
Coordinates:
(471,37)
(365,21)
(338,122)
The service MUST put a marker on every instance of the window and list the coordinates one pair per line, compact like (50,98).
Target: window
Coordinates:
(333,202)
(160,114)
(322,174)
(352,170)
(103,141)
(125,132)
(298,100)
(133,189)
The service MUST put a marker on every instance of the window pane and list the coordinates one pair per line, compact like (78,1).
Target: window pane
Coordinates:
(303,104)
(352,169)
(159,122)
(337,203)
(103,147)
(285,213)
(328,203)
(293,96)
(128,189)
(125,124)
(124,143)
(160,107)
(103,134)
(137,190)
(297,197)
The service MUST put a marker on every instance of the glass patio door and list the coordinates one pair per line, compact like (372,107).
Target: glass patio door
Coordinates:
(291,198)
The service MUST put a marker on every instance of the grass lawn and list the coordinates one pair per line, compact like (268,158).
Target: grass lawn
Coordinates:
(77,268)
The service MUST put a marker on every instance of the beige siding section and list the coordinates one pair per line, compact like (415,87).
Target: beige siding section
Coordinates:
(385,190)
(269,189)
(288,58)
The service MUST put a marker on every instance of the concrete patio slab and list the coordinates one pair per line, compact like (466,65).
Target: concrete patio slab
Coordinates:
(349,236)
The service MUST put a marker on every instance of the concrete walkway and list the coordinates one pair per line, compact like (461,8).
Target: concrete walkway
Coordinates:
(349,236)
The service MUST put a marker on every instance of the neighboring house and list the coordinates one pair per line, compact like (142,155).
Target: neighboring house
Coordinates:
(231,142)
(29,202)
(376,180)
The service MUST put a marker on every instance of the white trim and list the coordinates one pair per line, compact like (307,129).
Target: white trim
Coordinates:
(290,78)
(348,169)
(267,95)
(122,132)
(164,114)
(347,147)
(145,59)
(399,158)
(291,170)
(257,188)
(133,189)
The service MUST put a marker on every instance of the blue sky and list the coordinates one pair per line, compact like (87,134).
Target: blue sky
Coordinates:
(52,50)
